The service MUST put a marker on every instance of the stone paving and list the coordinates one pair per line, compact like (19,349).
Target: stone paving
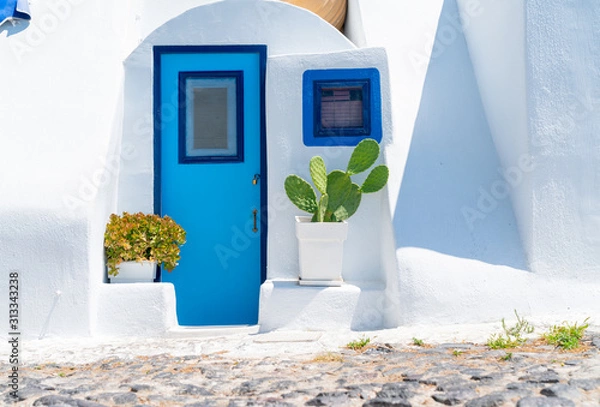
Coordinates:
(382,374)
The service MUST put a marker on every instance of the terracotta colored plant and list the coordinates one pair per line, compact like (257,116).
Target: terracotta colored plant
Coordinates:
(142,237)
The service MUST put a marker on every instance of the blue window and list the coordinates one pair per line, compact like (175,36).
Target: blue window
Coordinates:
(341,106)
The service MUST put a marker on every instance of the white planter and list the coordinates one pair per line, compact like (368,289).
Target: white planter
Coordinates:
(321,250)
(135,272)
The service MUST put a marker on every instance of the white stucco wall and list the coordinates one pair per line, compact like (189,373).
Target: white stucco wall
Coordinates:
(537,77)
(154,13)
(77,137)
(444,159)
(61,76)
(521,96)
(407,31)
(138,309)
(287,154)
(453,199)
(73,127)
(495,34)
(440,289)
(564,105)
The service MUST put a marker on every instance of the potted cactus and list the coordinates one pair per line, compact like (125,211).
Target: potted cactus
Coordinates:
(321,236)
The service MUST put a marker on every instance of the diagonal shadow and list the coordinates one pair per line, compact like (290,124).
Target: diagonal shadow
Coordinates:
(452,161)
(12,29)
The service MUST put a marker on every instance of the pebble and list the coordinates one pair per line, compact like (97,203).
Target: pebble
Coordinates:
(382,375)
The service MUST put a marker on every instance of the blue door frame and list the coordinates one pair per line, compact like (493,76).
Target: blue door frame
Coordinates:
(249,52)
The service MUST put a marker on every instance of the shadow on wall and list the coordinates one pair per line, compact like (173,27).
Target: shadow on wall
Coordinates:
(454,197)
(12,29)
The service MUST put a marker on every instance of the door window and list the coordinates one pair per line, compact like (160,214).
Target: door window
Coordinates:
(211,117)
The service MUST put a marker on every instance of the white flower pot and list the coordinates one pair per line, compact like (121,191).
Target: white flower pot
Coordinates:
(135,272)
(321,250)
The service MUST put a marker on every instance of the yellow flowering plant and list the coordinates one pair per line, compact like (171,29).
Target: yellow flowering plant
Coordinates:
(142,237)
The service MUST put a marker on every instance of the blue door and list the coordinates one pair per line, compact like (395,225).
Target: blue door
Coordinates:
(210,177)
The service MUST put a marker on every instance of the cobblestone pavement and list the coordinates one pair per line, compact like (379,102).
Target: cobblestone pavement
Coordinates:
(382,374)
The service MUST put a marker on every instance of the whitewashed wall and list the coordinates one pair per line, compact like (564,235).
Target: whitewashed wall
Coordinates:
(495,33)
(539,84)
(499,178)
(77,132)
(564,112)
(61,78)
(288,155)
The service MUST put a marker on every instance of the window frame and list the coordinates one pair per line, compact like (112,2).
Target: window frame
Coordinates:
(184,158)
(313,81)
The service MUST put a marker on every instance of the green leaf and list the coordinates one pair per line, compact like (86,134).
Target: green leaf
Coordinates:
(364,155)
(318,173)
(376,179)
(301,193)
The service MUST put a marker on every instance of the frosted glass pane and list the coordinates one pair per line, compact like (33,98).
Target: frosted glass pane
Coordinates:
(210,127)
(210,118)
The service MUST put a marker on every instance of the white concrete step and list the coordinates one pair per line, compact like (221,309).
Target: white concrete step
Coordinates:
(211,331)
(284,304)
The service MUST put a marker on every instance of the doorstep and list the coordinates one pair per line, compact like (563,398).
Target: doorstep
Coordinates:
(284,304)
(210,331)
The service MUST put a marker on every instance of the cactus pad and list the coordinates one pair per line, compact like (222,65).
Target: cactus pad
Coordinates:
(323,202)
(340,197)
(364,155)
(344,196)
(301,193)
(349,206)
(376,179)
(318,173)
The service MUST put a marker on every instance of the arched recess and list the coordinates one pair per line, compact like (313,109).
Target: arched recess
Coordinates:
(279,28)
(284,29)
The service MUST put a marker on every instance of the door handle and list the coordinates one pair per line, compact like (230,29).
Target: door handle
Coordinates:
(255,179)
(254,213)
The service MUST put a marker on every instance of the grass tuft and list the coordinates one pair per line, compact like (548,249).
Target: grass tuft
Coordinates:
(358,344)
(567,336)
(512,337)
(418,342)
